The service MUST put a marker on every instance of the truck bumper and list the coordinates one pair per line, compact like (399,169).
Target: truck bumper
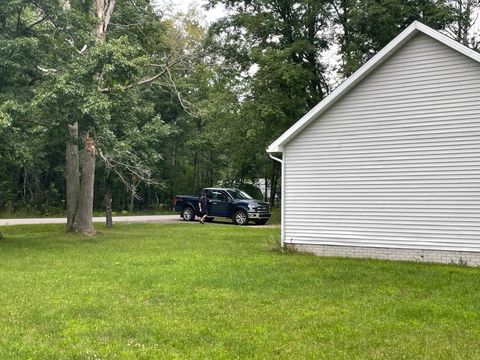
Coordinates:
(257,215)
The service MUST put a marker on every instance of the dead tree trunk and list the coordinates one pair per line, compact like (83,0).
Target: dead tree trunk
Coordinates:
(83,222)
(104,10)
(72,175)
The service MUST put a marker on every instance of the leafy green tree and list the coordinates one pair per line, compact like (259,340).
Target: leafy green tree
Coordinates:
(464,14)
(22,151)
(273,49)
(83,68)
(366,26)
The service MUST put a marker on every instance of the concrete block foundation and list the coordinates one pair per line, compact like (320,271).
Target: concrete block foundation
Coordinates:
(428,256)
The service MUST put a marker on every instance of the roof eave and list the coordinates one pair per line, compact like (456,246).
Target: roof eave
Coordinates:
(360,74)
(275,149)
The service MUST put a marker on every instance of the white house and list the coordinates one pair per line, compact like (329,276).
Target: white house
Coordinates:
(388,165)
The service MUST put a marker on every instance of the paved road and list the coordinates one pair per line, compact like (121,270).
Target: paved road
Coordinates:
(166,219)
(116,219)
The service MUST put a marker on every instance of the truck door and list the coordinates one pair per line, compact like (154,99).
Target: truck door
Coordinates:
(219,204)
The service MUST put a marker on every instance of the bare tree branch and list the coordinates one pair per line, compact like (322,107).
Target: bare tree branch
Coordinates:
(152,79)
(45,17)
(133,169)
(184,103)
(129,25)
(39,21)
(165,69)
(136,7)
(45,70)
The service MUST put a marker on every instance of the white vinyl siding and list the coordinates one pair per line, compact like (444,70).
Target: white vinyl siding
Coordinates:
(396,161)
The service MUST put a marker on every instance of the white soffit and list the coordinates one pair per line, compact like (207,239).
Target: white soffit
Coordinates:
(360,74)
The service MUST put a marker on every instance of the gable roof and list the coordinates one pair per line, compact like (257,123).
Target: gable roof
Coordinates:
(365,70)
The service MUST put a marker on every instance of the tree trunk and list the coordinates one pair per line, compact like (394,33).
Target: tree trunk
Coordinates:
(104,10)
(80,190)
(273,183)
(135,183)
(83,222)
(130,206)
(72,175)
(195,170)
(210,172)
(108,202)
(467,22)
(265,196)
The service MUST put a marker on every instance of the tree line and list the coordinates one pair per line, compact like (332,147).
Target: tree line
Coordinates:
(110,104)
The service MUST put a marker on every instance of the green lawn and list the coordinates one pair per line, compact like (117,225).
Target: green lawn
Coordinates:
(188,291)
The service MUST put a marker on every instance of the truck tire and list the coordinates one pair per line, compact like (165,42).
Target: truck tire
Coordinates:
(261,221)
(188,214)
(240,217)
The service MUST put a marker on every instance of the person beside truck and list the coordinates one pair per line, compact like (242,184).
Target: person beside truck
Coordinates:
(203,206)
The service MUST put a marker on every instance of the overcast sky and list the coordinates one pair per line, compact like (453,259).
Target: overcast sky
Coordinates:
(184,5)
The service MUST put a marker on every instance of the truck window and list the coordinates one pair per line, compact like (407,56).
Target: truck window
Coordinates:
(218,195)
(238,194)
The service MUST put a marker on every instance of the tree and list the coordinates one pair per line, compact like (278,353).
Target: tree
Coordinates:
(273,50)
(136,108)
(56,78)
(464,15)
(366,26)
(23,152)
(81,80)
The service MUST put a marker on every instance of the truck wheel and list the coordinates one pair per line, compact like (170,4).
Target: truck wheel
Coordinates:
(240,217)
(261,221)
(188,214)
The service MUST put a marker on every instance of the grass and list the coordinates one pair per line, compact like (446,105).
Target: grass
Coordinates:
(185,291)
(276,216)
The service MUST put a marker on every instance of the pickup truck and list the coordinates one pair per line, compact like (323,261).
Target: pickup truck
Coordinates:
(230,203)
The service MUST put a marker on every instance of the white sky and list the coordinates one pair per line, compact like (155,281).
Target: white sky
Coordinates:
(173,6)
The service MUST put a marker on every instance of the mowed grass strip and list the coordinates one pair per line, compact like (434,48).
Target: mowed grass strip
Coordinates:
(186,291)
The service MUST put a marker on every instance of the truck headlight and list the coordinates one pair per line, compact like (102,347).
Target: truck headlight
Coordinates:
(252,207)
